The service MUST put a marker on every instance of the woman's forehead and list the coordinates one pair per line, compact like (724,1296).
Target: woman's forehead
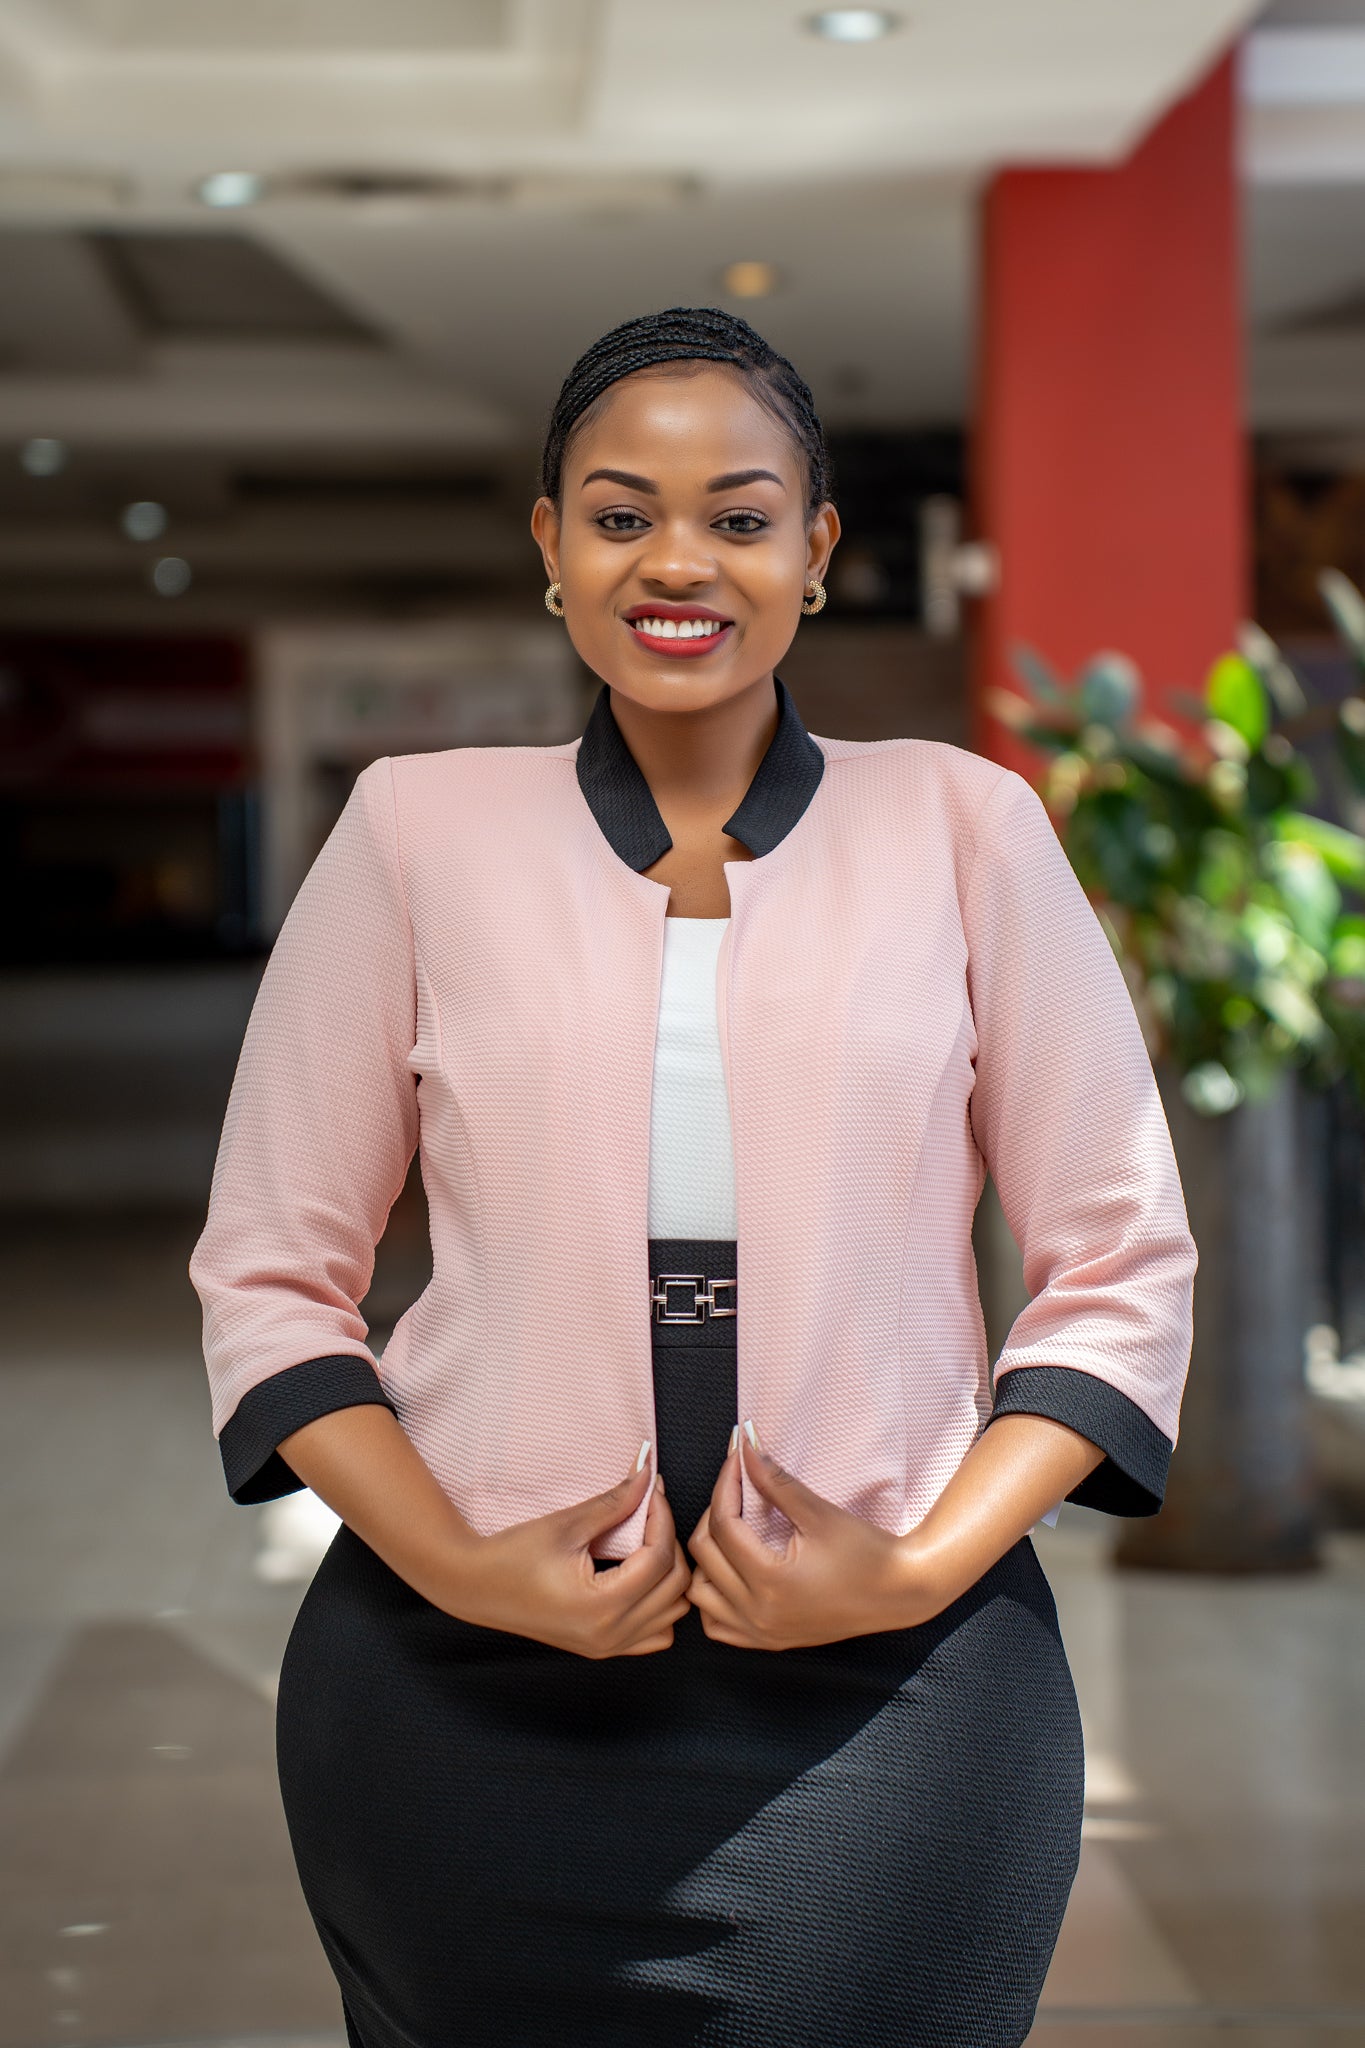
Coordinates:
(697,416)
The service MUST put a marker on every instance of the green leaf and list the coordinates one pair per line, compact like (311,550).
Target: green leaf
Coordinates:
(1210,1089)
(1110,690)
(1050,737)
(1235,693)
(1158,762)
(1342,852)
(1292,1008)
(1040,679)
(1305,883)
(1225,870)
(1350,737)
(1347,607)
(1270,665)
(1347,958)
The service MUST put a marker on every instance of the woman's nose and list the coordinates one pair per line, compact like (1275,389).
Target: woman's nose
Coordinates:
(676,558)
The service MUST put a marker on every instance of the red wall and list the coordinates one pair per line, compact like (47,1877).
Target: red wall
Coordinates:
(1108,451)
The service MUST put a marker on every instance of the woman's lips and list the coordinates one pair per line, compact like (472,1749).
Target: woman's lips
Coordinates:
(680,637)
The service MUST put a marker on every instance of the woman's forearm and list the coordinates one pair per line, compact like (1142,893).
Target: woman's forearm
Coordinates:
(1018,1468)
(363,1464)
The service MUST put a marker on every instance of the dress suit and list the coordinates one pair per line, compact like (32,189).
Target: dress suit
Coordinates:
(869,1842)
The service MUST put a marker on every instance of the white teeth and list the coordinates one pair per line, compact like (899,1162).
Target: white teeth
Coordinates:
(678,629)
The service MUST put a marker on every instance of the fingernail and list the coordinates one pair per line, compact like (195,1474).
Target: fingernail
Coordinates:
(644,1453)
(734,1441)
(752,1435)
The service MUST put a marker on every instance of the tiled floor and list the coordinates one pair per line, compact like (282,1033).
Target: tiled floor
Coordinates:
(147,1893)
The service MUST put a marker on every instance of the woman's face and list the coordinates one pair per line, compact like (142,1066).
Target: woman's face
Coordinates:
(682,544)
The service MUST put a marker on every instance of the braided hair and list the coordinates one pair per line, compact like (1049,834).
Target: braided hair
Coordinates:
(687,334)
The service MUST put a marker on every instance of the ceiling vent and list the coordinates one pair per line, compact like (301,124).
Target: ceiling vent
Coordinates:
(360,186)
(372,186)
(220,287)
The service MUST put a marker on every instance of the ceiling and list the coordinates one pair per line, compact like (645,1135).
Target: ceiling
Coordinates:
(459,194)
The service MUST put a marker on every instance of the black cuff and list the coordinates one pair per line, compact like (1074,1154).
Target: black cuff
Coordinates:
(252,1465)
(1132,1479)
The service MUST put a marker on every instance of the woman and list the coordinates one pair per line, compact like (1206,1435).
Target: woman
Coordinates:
(690,1679)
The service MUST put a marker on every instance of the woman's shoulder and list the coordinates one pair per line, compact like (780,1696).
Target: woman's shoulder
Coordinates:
(932,776)
(426,785)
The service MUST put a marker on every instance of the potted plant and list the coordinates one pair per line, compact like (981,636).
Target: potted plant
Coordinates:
(1238,916)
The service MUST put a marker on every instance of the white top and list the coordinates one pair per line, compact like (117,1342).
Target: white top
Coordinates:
(691,1162)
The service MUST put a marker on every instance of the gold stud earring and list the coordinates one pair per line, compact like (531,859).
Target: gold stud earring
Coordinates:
(817,600)
(554,604)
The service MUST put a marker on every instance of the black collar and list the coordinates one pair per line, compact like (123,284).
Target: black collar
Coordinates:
(623,803)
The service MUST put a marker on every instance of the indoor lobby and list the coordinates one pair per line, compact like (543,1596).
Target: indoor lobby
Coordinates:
(286,293)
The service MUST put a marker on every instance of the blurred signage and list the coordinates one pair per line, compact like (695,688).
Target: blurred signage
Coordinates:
(332,699)
(110,713)
(348,697)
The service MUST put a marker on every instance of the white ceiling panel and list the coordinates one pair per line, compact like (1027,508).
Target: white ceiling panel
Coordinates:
(965,84)
(179,27)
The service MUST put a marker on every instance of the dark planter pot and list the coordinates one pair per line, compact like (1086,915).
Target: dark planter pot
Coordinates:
(1243,1493)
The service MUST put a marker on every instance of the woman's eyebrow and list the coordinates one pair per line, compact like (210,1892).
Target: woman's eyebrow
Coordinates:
(733,480)
(622,477)
(736,479)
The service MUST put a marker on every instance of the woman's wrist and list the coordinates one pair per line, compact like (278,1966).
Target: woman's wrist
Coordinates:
(919,1582)
(453,1573)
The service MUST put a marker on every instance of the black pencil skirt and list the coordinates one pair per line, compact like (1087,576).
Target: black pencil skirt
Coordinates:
(864,1844)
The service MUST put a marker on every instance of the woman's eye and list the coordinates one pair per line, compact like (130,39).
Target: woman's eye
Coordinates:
(621,522)
(624,519)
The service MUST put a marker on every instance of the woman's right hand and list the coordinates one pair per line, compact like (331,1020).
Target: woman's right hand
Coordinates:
(535,1579)
(538,1578)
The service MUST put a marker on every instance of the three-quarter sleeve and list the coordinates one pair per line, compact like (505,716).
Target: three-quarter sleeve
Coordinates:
(1066,1113)
(320,1128)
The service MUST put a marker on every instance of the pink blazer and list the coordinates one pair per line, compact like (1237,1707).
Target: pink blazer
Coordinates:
(913,988)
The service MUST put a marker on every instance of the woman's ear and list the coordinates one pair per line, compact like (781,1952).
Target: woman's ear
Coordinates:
(820,542)
(545,530)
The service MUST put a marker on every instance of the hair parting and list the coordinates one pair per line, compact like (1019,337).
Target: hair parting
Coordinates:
(700,334)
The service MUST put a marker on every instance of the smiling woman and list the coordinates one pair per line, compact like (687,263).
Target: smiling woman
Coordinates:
(686,522)
(695,993)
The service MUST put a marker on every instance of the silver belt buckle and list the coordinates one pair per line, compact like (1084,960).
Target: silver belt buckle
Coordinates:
(695,1310)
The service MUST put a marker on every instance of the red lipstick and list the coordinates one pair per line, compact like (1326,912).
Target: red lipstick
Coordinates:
(680,631)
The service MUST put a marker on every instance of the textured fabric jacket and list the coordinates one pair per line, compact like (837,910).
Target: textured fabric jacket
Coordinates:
(913,989)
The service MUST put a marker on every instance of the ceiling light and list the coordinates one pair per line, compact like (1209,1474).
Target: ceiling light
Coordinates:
(852,24)
(231,188)
(749,280)
(143,520)
(43,456)
(171,576)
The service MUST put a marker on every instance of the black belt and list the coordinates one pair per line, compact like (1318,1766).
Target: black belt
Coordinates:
(692,1283)
(689,1298)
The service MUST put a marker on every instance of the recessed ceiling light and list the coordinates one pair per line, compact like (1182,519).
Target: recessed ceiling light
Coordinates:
(171,576)
(749,280)
(853,24)
(143,520)
(43,455)
(232,188)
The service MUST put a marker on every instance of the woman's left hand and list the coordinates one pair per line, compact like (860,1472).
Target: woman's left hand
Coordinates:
(838,1575)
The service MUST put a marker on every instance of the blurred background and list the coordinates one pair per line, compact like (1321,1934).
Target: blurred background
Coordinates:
(286,291)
